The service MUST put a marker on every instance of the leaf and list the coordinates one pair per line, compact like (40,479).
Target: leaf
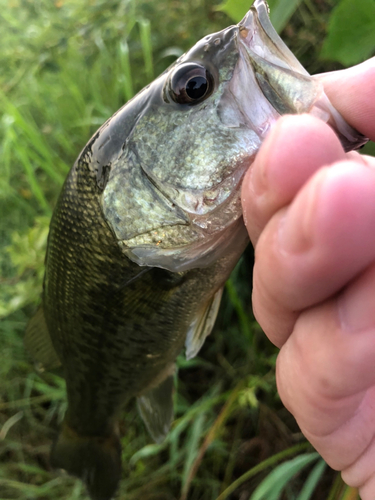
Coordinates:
(235,9)
(272,486)
(351,32)
(280,10)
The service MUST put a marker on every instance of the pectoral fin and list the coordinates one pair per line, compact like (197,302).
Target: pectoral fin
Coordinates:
(156,409)
(38,343)
(202,325)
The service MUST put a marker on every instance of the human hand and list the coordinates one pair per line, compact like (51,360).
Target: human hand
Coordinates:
(310,212)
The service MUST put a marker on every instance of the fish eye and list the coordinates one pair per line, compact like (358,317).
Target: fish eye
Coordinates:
(190,83)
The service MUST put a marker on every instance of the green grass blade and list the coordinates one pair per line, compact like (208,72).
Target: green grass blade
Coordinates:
(126,74)
(272,486)
(195,435)
(33,181)
(269,462)
(145,34)
(35,140)
(335,488)
(312,481)
(26,125)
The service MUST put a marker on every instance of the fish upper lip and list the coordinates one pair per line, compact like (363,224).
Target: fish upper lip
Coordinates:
(281,78)
(257,20)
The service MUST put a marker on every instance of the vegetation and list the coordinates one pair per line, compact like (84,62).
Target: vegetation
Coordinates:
(66,67)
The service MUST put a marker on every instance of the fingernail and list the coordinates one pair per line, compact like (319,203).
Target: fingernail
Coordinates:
(356,304)
(296,229)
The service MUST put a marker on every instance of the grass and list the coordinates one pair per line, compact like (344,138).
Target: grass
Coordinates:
(66,67)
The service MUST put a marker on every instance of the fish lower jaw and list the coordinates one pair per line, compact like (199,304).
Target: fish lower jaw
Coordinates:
(201,252)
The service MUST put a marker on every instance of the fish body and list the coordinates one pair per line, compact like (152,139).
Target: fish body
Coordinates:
(147,229)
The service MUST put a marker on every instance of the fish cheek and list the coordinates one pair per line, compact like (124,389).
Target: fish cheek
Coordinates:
(132,205)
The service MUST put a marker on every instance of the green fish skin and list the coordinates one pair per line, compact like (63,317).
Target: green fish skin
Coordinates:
(148,228)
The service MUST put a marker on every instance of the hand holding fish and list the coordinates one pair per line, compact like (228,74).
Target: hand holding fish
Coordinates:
(310,212)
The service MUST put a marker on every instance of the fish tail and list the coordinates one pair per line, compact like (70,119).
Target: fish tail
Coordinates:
(96,460)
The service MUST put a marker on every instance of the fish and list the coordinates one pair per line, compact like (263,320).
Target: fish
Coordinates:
(148,228)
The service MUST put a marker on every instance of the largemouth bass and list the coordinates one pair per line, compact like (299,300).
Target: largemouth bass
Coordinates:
(147,229)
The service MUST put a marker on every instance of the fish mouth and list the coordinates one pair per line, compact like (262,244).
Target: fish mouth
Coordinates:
(283,81)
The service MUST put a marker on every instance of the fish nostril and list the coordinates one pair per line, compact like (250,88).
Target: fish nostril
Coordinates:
(244,32)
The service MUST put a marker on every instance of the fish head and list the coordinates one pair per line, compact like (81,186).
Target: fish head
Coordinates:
(170,163)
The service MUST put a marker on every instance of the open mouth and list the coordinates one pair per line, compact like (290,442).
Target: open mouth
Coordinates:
(284,82)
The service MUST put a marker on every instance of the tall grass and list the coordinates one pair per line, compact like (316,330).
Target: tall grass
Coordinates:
(66,67)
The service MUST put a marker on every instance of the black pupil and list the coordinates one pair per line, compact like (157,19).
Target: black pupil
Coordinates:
(196,87)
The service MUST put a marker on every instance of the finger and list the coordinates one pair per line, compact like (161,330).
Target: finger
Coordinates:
(355,156)
(326,376)
(296,148)
(352,92)
(367,491)
(361,473)
(309,251)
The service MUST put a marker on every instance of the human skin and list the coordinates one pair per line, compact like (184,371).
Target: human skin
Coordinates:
(310,212)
